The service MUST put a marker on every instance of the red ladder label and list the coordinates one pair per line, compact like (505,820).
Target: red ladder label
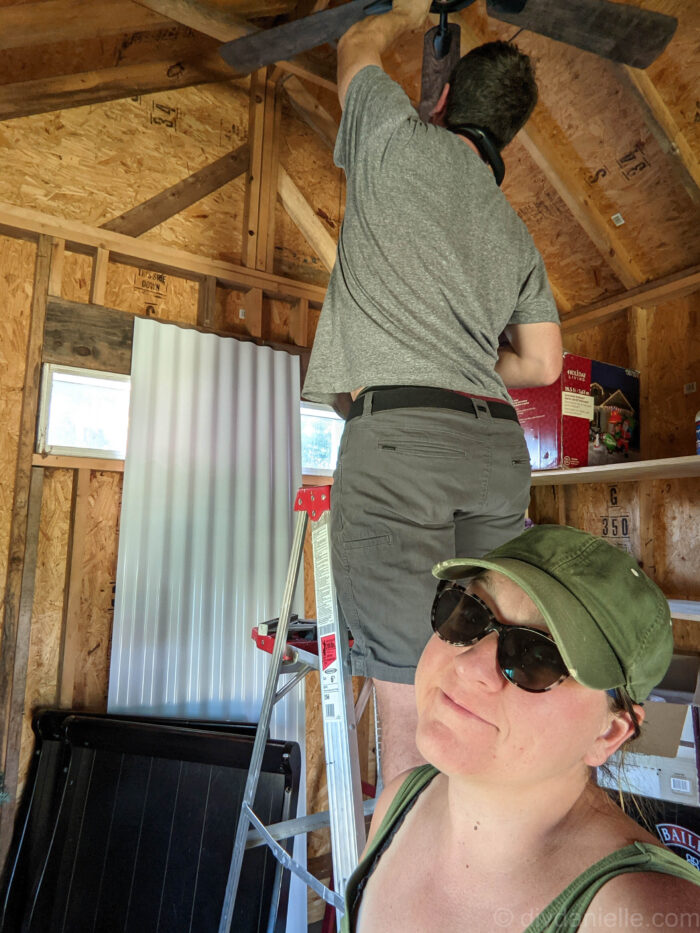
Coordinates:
(329,651)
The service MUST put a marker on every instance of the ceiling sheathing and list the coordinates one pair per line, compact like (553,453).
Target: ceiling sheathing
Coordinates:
(595,147)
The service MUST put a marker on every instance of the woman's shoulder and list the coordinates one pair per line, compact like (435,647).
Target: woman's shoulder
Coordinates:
(649,899)
(398,793)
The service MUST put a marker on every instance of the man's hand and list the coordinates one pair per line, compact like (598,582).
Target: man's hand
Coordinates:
(365,42)
(415,11)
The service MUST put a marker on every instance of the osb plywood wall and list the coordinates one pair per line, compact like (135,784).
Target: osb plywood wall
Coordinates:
(93,163)
(673,362)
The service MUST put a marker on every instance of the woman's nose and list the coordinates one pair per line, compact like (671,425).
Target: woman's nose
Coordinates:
(478,663)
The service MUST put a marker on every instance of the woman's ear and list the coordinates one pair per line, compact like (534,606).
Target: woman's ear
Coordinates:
(620,727)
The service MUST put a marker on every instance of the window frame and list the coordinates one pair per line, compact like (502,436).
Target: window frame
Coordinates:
(42,447)
(316,409)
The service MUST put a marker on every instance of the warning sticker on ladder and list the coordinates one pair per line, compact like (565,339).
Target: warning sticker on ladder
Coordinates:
(329,651)
(330,677)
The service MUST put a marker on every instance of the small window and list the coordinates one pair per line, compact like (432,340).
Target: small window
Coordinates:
(321,429)
(83,413)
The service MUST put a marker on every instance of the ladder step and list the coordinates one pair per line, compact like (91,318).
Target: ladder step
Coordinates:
(300,825)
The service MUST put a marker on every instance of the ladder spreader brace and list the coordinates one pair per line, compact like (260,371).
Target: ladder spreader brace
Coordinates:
(346,813)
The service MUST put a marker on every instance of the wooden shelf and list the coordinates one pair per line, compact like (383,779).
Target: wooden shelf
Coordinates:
(671,468)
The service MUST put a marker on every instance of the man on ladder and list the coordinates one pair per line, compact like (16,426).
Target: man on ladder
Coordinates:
(433,265)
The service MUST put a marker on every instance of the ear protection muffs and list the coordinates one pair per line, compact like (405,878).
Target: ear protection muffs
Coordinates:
(485,144)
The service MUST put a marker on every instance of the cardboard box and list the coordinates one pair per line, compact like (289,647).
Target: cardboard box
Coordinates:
(588,417)
(662,763)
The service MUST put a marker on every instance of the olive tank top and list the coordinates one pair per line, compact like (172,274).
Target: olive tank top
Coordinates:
(564,913)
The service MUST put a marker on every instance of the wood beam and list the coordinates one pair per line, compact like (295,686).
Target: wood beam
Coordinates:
(310,111)
(172,200)
(95,337)
(206,302)
(62,92)
(58,251)
(638,347)
(59,462)
(299,324)
(81,238)
(74,576)
(17,620)
(219,23)
(10,773)
(98,280)
(306,220)
(176,65)
(265,253)
(88,335)
(256,132)
(30,24)
(669,136)
(220,20)
(652,293)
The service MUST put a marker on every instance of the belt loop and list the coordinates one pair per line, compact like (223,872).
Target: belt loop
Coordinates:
(481,409)
(367,403)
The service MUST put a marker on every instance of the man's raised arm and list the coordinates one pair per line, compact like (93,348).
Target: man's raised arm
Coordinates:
(365,42)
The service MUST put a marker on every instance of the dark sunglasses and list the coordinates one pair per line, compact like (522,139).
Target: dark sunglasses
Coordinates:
(527,657)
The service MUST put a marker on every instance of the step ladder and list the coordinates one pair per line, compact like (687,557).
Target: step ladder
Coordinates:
(346,813)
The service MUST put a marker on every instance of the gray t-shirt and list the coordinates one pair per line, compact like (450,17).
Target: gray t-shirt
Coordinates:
(432,261)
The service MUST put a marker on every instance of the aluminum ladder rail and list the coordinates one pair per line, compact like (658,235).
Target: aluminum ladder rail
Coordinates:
(346,813)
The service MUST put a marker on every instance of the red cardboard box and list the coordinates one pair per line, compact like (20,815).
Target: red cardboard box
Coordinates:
(588,417)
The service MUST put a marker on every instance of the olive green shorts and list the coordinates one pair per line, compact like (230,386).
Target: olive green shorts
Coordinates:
(413,487)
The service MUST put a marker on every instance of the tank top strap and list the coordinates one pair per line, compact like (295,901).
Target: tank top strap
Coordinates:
(403,800)
(565,913)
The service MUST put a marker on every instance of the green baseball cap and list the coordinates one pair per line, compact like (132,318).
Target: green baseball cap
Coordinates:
(612,625)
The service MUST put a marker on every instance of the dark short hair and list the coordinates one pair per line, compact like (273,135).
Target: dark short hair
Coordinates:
(492,87)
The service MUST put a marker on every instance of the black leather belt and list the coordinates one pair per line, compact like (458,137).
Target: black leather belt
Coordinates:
(388,397)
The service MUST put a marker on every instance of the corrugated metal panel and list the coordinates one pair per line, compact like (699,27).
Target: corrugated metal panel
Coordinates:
(213,462)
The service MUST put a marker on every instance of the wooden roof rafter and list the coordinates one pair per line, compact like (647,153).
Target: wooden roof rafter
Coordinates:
(27,25)
(170,44)
(219,23)
(650,294)
(667,132)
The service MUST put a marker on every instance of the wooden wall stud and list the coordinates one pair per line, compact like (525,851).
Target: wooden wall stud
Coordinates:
(22,554)
(74,578)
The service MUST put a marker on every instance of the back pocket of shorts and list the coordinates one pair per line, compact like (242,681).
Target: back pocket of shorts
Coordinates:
(370,541)
(421,447)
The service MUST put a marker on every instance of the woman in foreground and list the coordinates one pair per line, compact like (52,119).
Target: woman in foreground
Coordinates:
(542,653)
